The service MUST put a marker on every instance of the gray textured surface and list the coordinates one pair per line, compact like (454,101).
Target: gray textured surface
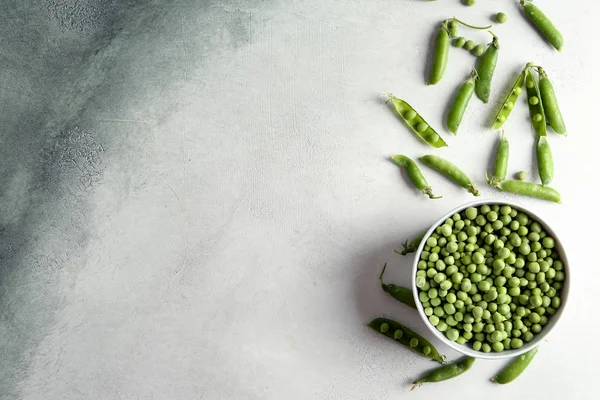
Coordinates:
(195,197)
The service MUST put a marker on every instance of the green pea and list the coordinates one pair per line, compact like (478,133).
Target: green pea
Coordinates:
(414,342)
(548,242)
(555,302)
(459,42)
(478,50)
(384,327)
(398,332)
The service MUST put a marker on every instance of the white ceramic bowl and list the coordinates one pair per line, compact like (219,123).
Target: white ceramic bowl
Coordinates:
(552,320)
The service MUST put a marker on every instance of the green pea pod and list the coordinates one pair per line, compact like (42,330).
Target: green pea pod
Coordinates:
(515,368)
(440,54)
(485,70)
(400,293)
(553,114)
(415,175)
(536,109)
(527,189)
(544,161)
(412,246)
(407,337)
(417,123)
(446,372)
(451,171)
(501,165)
(543,24)
(460,103)
(510,100)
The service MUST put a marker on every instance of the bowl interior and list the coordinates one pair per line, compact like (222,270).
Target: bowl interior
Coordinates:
(466,348)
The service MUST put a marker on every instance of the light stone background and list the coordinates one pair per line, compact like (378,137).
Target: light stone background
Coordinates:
(196,200)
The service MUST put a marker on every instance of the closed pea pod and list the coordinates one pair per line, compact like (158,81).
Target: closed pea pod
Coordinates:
(516,367)
(510,100)
(536,109)
(550,104)
(446,372)
(528,189)
(543,24)
(415,175)
(451,171)
(501,164)
(440,54)
(417,123)
(460,103)
(407,337)
(400,293)
(544,161)
(485,70)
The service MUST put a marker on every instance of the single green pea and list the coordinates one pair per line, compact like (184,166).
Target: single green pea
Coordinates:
(414,342)
(410,115)
(548,242)
(469,45)
(486,348)
(384,327)
(478,50)
(459,42)
(524,248)
(421,127)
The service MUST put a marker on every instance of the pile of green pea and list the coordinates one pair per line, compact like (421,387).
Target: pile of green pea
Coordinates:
(490,276)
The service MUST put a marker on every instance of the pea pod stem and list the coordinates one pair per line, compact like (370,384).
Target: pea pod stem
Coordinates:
(446,372)
(400,293)
(471,26)
(515,368)
(412,246)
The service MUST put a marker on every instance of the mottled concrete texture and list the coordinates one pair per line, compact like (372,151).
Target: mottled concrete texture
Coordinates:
(195,199)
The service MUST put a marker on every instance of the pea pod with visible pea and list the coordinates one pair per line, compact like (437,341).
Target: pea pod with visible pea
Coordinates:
(451,171)
(460,103)
(515,368)
(510,100)
(412,246)
(407,337)
(415,122)
(400,293)
(415,175)
(536,109)
(543,24)
(485,69)
(544,161)
(527,189)
(446,372)
(551,110)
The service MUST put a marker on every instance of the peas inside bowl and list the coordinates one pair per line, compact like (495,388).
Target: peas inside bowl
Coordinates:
(490,279)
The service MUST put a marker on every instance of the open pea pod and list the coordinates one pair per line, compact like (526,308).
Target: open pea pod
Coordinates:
(534,100)
(417,123)
(407,337)
(510,100)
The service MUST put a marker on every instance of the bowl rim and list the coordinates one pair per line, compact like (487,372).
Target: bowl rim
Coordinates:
(463,348)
